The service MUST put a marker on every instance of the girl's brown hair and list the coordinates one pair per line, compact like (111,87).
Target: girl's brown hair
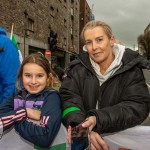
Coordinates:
(35,58)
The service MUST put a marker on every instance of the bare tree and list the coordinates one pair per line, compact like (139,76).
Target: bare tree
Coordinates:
(144,42)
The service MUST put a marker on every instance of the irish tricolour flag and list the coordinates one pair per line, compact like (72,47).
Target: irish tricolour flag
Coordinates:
(12,37)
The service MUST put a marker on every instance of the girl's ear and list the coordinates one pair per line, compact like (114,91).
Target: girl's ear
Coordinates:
(50,76)
(49,80)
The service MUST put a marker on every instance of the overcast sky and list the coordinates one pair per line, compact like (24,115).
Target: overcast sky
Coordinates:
(128,18)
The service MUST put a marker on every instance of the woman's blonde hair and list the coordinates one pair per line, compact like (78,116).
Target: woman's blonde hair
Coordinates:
(93,24)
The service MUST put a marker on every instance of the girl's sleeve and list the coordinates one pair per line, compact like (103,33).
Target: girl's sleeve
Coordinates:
(8,116)
(43,134)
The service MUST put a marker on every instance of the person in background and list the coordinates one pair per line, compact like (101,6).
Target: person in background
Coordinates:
(9,65)
(105,87)
(34,109)
(59,71)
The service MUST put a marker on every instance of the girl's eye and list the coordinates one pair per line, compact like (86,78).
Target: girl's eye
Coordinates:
(27,75)
(40,75)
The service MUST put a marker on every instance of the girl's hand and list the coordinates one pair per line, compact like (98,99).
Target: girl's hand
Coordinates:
(68,137)
(33,114)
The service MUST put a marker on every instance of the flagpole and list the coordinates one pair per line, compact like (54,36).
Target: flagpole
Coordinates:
(12,28)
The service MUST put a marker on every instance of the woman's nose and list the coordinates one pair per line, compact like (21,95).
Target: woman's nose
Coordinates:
(94,45)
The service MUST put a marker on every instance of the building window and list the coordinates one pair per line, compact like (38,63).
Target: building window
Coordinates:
(72,13)
(30,24)
(75,32)
(32,1)
(65,41)
(57,10)
(65,22)
(52,11)
(71,30)
(65,4)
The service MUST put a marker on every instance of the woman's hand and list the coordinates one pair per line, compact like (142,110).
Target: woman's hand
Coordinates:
(97,143)
(90,122)
(33,114)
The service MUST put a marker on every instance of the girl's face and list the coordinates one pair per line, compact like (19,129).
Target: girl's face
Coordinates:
(34,78)
(98,45)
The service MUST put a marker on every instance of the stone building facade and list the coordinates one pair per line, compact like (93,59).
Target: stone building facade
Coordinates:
(33,20)
(85,13)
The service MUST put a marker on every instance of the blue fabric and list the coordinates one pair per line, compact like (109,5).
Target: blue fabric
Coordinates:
(79,143)
(9,65)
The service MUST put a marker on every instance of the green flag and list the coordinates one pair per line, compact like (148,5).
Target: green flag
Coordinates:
(14,41)
(12,37)
(55,147)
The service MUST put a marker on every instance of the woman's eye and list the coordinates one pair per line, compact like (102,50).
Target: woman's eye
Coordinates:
(87,43)
(99,40)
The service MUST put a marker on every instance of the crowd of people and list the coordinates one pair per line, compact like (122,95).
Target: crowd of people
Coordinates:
(102,91)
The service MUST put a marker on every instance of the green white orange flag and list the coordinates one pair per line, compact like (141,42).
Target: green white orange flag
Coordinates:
(12,37)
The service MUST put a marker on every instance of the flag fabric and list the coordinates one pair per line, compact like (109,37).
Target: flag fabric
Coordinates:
(14,40)
(12,37)
(11,140)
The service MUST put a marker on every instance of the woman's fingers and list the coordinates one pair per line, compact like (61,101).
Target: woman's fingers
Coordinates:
(97,143)
(94,148)
(90,123)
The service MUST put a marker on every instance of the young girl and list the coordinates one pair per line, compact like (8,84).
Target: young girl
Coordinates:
(34,110)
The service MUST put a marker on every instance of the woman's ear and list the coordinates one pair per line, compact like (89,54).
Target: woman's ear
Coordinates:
(112,40)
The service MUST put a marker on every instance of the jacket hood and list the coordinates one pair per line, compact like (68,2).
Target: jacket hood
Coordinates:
(3,31)
(82,59)
(132,58)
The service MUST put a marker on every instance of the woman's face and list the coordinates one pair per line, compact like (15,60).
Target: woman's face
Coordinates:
(34,78)
(98,45)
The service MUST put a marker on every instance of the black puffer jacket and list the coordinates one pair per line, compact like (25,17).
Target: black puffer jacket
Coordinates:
(122,100)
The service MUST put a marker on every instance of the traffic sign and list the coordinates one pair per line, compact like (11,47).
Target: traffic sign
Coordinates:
(47,52)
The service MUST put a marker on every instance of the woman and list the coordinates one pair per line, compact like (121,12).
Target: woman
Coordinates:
(105,87)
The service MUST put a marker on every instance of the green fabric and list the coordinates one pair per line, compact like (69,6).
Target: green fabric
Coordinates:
(14,41)
(70,109)
(55,147)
